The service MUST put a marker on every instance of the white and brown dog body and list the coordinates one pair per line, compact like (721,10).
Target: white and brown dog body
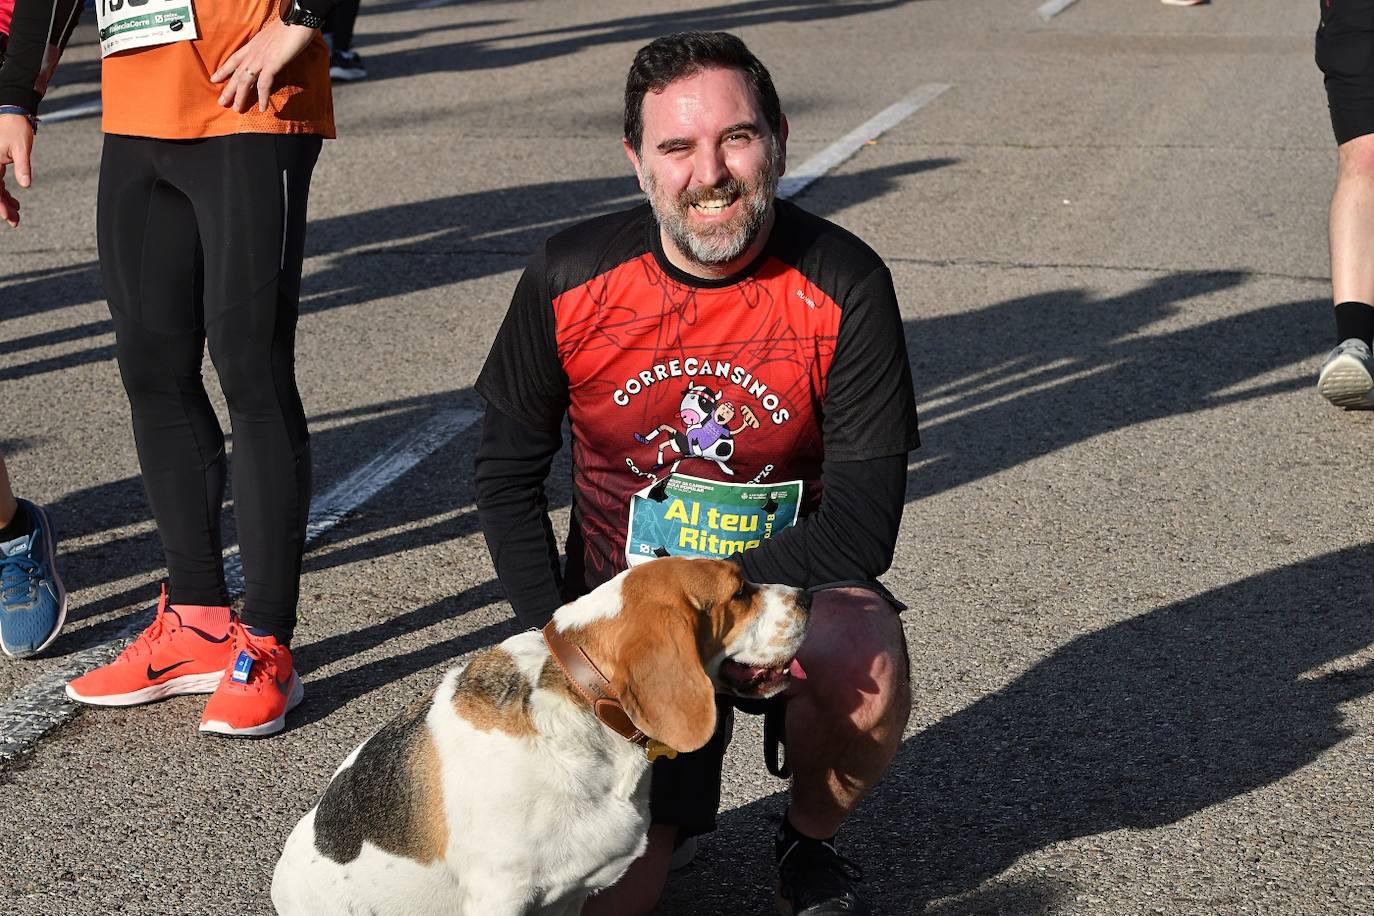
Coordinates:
(503,793)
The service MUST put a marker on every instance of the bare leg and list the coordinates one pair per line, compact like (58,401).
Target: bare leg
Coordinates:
(667,442)
(1352,223)
(845,721)
(638,890)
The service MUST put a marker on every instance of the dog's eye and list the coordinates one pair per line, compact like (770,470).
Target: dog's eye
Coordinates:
(743,591)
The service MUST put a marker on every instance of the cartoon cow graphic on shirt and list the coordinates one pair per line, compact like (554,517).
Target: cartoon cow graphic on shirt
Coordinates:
(706,432)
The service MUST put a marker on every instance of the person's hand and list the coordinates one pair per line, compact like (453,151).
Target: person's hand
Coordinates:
(16,140)
(253,67)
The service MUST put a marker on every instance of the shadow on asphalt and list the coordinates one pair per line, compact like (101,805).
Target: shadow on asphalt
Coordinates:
(329,694)
(457,238)
(1134,726)
(1013,382)
(1027,377)
(549,44)
(430,488)
(48,289)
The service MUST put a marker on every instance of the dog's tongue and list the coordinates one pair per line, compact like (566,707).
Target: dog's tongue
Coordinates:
(794,669)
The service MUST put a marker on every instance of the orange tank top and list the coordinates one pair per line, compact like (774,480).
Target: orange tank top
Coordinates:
(165,91)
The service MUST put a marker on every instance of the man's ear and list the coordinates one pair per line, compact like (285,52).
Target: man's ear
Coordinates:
(782,146)
(634,160)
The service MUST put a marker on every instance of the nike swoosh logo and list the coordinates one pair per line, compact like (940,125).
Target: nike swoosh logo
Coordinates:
(283,686)
(204,635)
(155,673)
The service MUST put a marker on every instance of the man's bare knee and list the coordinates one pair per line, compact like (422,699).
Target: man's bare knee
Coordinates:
(1356,158)
(855,658)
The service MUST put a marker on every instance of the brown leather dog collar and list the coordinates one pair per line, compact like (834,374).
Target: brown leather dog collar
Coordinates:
(592,685)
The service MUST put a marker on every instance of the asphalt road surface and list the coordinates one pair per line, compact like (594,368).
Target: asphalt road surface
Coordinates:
(1137,542)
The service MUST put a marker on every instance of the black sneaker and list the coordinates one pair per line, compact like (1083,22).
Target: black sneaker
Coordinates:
(346,66)
(815,880)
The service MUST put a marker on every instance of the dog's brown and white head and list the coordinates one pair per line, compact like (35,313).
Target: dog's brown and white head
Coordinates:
(670,633)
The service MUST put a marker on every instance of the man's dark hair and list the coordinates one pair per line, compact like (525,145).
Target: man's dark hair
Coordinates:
(672,57)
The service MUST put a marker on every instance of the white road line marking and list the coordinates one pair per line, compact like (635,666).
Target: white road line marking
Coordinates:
(1048,11)
(71,114)
(38,707)
(833,155)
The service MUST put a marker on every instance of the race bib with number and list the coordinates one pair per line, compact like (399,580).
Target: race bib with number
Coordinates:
(690,517)
(126,24)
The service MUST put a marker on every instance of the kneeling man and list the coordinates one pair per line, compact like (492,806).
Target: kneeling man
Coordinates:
(715,292)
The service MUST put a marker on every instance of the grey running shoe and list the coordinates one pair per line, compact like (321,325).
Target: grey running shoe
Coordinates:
(1348,375)
(346,67)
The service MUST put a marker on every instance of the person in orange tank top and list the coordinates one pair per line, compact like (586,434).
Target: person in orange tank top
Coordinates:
(214,112)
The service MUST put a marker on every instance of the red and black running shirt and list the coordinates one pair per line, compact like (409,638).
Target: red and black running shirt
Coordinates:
(807,340)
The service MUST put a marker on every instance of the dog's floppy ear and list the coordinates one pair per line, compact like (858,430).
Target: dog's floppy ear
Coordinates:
(660,678)
(656,665)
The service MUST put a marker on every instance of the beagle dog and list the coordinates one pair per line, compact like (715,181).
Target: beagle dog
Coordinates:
(520,786)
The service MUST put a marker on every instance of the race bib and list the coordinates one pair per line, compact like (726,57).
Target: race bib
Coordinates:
(690,517)
(126,24)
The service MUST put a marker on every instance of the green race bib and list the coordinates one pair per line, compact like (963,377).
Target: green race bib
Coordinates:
(690,517)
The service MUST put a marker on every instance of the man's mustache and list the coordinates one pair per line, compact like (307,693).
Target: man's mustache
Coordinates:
(730,187)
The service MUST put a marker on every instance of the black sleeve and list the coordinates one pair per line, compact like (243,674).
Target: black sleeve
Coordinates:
(523,375)
(39,32)
(851,536)
(513,462)
(870,408)
(526,392)
(868,428)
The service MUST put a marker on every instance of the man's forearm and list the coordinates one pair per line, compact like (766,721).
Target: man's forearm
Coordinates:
(851,536)
(513,461)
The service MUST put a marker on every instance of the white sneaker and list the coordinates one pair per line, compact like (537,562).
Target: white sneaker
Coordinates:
(1348,375)
(346,67)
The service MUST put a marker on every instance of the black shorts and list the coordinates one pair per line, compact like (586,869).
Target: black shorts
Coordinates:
(1345,54)
(685,791)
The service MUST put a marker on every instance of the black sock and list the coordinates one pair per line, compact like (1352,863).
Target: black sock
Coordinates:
(280,636)
(788,835)
(18,527)
(1355,319)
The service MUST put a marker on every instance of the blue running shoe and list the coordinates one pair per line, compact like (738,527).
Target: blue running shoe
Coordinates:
(33,603)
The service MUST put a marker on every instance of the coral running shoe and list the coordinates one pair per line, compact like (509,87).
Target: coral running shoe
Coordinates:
(168,659)
(256,693)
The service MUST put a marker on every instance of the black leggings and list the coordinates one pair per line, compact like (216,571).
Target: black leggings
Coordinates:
(339,24)
(202,241)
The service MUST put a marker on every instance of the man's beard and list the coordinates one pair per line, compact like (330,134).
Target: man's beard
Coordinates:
(712,246)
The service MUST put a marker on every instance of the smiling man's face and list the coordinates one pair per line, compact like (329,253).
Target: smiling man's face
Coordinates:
(709,164)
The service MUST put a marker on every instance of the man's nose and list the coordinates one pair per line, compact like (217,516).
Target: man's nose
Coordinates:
(709,168)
